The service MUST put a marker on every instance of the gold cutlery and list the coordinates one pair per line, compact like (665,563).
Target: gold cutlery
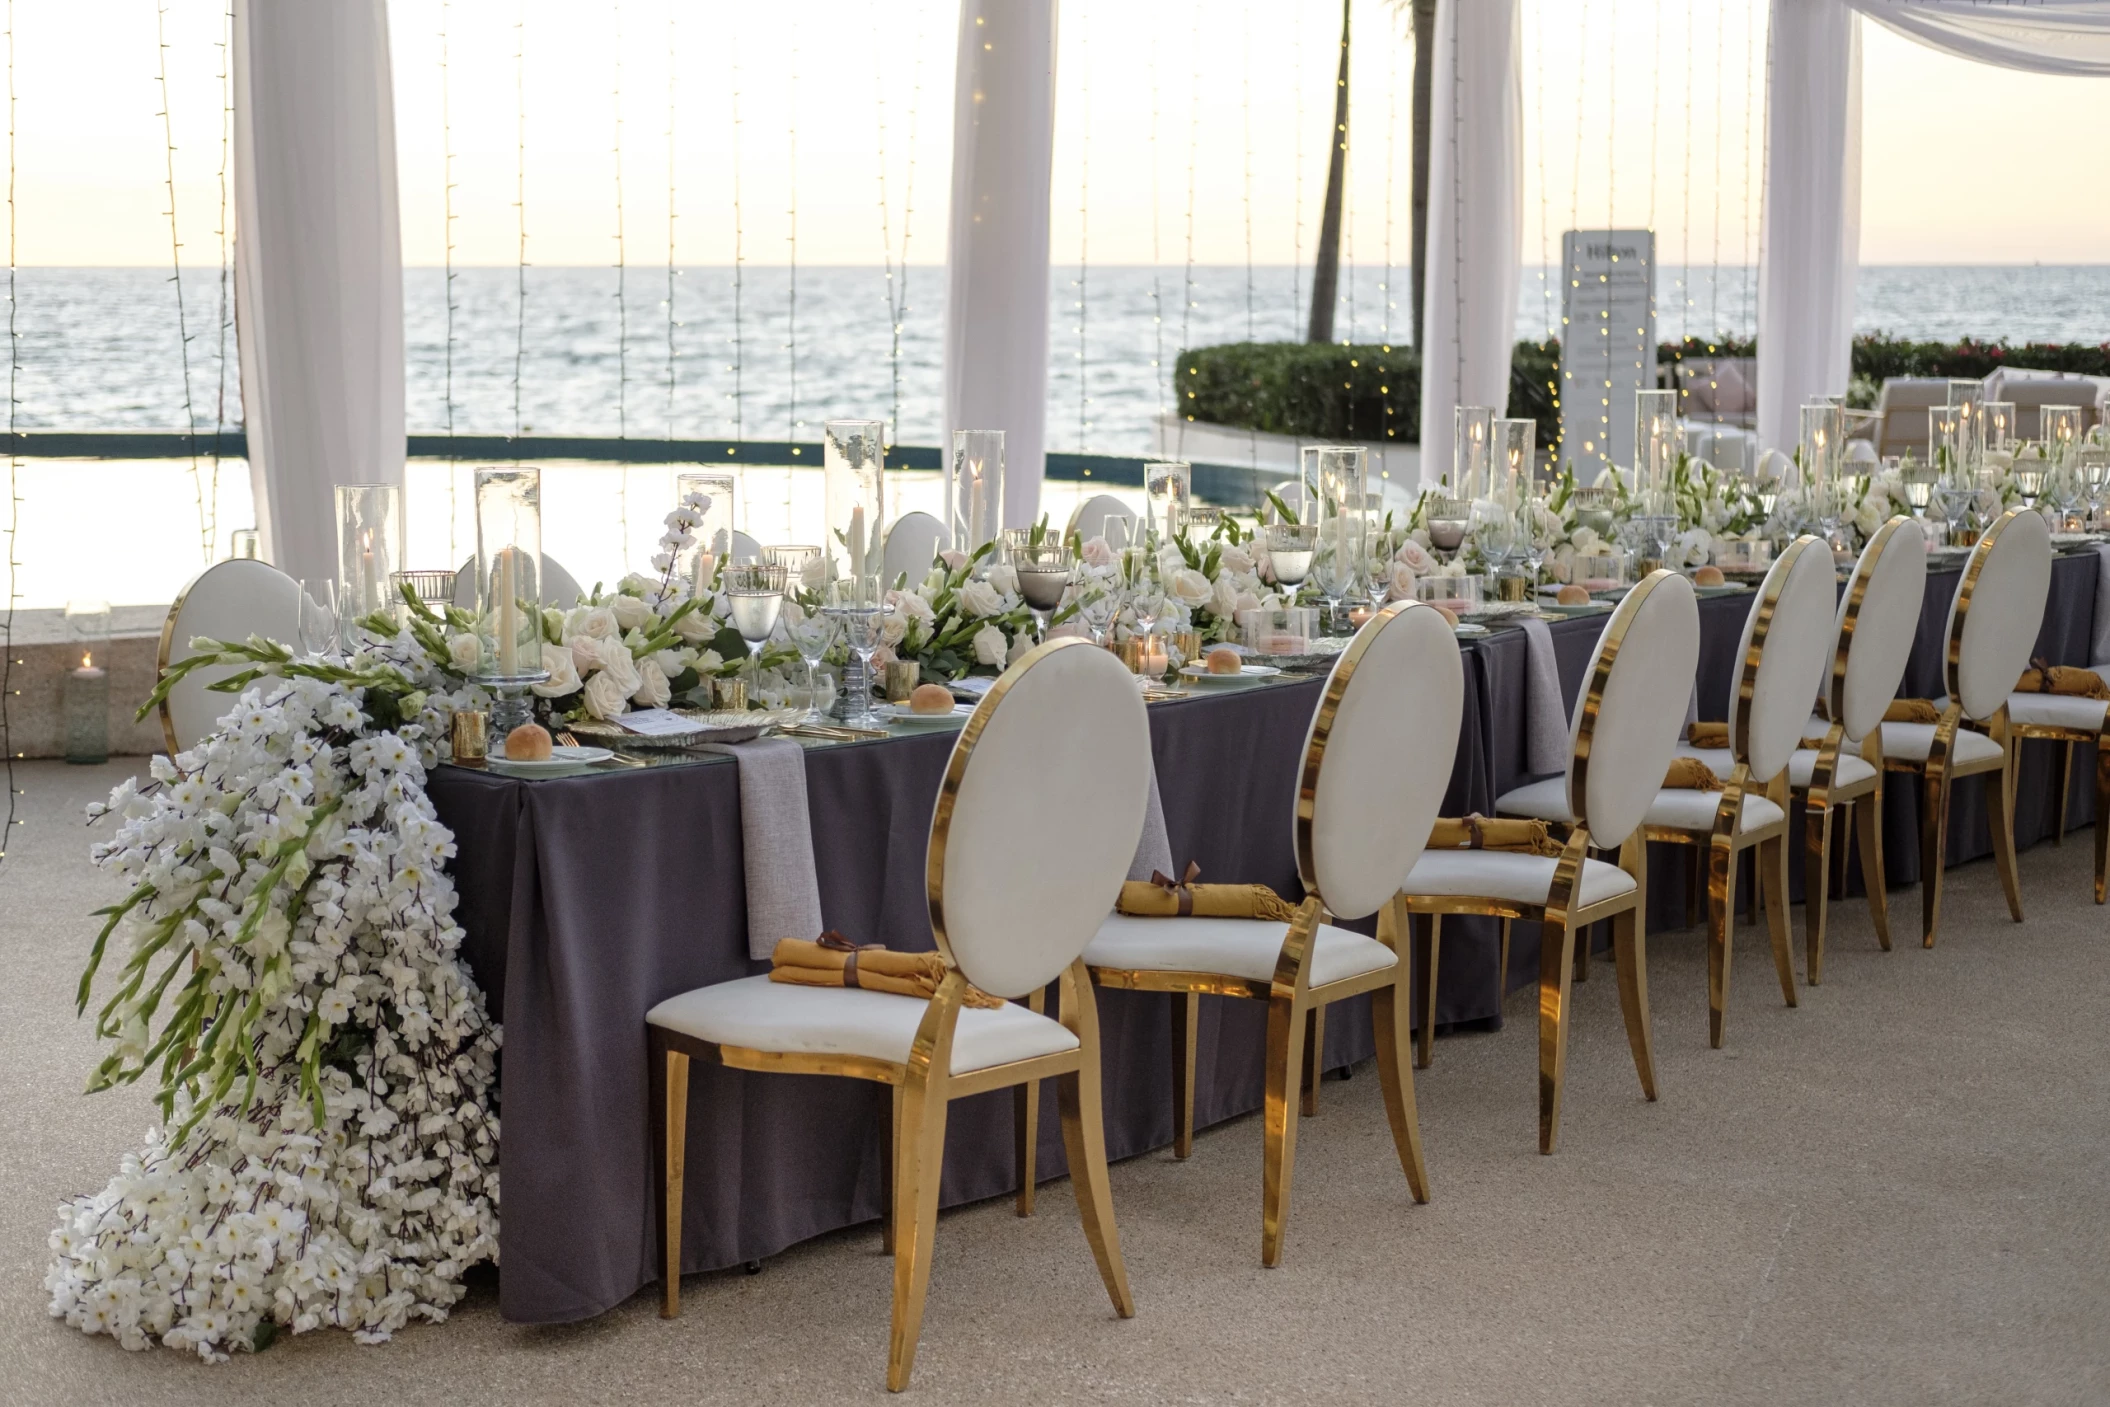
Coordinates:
(567,738)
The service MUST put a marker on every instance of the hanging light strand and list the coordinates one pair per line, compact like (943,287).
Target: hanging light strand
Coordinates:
(1084,231)
(225,318)
(14,466)
(1296,264)
(1714,279)
(1157,292)
(1194,128)
(897,278)
(520,211)
(447,272)
(183,333)
(791,290)
(672,271)
(1246,109)
(739,365)
(1751,48)
(622,270)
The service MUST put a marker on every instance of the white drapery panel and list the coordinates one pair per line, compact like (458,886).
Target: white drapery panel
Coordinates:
(1811,249)
(996,310)
(318,265)
(1810,244)
(1474,233)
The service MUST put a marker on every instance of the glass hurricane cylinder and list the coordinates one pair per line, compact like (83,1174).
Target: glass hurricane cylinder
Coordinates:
(2059,427)
(974,488)
(1656,445)
(1168,496)
(854,498)
(369,547)
(1337,475)
(1515,459)
(1470,451)
(88,682)
(509,589)
(714,535)
(1996,425)
(1949,446)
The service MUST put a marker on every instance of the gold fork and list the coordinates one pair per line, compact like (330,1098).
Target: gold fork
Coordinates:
(568,739)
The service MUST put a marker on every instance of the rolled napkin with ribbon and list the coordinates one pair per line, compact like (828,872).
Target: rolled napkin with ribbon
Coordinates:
(1690,774)
(1478,832)
(1912,711)
(835,961)
(1161,896)
(1717,735)
(2045,678)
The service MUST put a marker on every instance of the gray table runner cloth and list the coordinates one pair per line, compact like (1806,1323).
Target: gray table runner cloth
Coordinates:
(1154,846)
(587,899)
(776,843)
(1546,727)
(2099,641)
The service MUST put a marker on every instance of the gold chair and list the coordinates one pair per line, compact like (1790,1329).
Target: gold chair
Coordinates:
(1034,828)
(1621,738)
(1377,757)
(1992,628)
(2068,719)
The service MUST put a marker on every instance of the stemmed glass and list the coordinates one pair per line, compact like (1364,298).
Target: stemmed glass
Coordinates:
(1044,569)
(318,617)
(853,603)
(812,635)
(1098,598)
(1290,548)
(754,593)
(801,563)
(1336,569)
(1145,584)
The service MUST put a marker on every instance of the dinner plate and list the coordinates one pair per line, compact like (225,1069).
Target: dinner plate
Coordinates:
(900,717)
(1199,674)
(1734,588)
(1585,608)
(559,759)
(721,726)
(1466,630)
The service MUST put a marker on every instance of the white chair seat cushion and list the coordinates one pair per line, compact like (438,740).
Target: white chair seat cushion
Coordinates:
(763,1015)
(2056,711)
(1910,742)
(1503,874)
(1681,809)
(1235,947)
(1541,801)
(1802,765)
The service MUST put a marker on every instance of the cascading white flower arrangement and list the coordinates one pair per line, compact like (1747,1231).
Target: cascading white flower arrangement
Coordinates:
(324,1064)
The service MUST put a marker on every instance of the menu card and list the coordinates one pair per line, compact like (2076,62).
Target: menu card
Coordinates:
(656,722)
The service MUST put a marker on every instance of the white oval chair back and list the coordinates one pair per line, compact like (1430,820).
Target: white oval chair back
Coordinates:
(1038,818)
(1377,759)
(1997,611)
(559,588)
(1878,620)
(1787,641)
(1090,518)
(1640,676)
(745,548)
(911,543)
(231,601)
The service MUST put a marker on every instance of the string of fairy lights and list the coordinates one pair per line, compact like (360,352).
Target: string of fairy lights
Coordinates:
(1084,204)
(221,231)
(447,276)
(206,530)
(9,750)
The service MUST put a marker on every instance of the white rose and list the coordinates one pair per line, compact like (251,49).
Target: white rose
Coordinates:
(910,605)
(696,627)
(1224,599)
(466,651)
(1235,559)
(1189,587)
(1415,557)
(709,663)
(982,598)
(1400,584)
(606,697)
(585,655)
(563,676)
(617,664)
(953,558)
(1097,553)
(593,622)
(1004,577)
(552,624)
(1020,648)
(1170,559)
(631,612)
(639,585)
(1584,540)
(990,647)
(672,662)
(651,690)
(892,626)
(1246,601)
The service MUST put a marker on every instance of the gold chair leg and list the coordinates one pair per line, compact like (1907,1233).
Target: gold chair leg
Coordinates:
(888,1168)
(1556,971)
(1314,1058)
(1390,1011)
(2000,821)
(1025,1123)
(1868,834)
(1630,953)
(2058,835)
(1582,953)
(1773,873)
(1816,886)
(1934,845)
(1425,1043)
(1285,1054)
(670,1107)
(1084,1139)
(916,1216)
(1502,967)
(1721,926)
(2102,811)
(1695,883)
(1186,1020)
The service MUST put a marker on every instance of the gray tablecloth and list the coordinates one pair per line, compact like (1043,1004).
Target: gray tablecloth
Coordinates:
(586,900)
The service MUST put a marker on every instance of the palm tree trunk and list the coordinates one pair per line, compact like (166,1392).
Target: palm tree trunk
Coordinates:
(1325,277)
(1424,45)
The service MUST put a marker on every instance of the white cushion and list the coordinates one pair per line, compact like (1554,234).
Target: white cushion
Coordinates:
(1643,706)
(1519,878)
(1542,801)
(2056,711)
(764,1015)
(1685,810)
(229,600)
(1802,765)
(2005,612)
(1236,947)
(1797,601)
(1894,569)
(1910,742)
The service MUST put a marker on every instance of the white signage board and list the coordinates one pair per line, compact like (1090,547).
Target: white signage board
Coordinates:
(1608,344)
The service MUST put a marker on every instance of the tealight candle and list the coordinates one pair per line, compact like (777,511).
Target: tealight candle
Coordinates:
(1155,661)
(87,712)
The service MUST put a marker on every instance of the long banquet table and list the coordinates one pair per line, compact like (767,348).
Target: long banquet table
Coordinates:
(587,899)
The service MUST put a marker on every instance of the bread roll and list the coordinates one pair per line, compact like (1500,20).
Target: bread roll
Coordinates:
(1223,661)
(1708,576)
(528,743)
(1572,595)
(930,698)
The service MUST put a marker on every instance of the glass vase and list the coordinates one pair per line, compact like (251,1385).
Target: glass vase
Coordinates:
(509,590)
(1168,494)
(1471,450)
(1656,445)
(88,682)
(854,494)
(714,535)
(369,549)
(974,491)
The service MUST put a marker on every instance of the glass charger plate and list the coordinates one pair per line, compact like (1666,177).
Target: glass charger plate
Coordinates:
(901,716)
(722,726)
(559,759)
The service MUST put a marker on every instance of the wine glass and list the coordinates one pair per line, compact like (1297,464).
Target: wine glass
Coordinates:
(1336,567)
(754,594)
(801,563)
(1098,600)
(853,603)
(812,635)
(1290,547)
(1145,583)
(318,616)
(1044,569)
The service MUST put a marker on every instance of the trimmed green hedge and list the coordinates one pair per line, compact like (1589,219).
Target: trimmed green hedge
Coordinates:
(1373,392)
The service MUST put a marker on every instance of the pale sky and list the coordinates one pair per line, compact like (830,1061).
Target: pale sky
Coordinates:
(1156,97)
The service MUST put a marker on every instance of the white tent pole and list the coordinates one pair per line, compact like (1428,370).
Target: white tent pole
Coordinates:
(318,266)
(996,310)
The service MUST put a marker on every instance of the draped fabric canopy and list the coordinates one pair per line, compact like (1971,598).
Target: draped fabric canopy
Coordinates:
(1811,248)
